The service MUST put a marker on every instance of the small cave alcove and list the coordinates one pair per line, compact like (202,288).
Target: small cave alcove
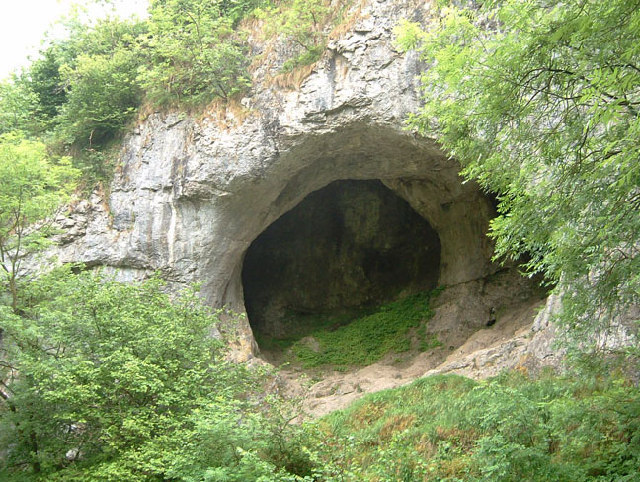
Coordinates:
(346,247)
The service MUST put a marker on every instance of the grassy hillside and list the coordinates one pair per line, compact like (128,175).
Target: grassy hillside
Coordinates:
(510,428)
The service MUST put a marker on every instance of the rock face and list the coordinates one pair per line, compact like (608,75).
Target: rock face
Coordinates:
(528,348)
(191,195)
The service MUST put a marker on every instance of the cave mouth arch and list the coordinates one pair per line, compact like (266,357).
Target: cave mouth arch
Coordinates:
(350,245)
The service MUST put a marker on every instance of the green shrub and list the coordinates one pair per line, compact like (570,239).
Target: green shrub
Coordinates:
(532,99)
(103,95)
(194,54)
(113,381)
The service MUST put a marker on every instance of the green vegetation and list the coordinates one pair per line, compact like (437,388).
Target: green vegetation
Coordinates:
(101,380)
(79,95)
(81,92)
(510,428)
(194,54)
(540,102)
(111,381)
(33,187)
(84,91)
(366,339)
(298,325)
(300,23)
(355,338)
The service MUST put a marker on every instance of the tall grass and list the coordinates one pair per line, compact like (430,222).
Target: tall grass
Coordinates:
(510,428)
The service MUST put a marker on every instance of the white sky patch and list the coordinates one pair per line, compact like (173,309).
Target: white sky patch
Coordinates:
(23,24)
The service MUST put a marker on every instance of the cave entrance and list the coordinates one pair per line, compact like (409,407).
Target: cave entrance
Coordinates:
(347,247)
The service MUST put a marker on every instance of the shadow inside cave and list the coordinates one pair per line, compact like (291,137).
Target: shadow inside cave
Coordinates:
(343,250)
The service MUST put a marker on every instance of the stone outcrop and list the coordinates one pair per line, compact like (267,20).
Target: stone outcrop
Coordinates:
(191,195)
(529,348)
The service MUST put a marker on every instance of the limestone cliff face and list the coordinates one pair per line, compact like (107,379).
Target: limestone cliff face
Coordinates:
(191,195)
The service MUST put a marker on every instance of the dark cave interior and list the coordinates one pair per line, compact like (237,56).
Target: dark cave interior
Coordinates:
(345,247)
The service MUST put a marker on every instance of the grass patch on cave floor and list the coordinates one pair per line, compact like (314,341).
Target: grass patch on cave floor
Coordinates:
(301,325)
(344,341)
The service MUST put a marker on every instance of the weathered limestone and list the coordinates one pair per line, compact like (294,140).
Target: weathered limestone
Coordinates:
(191,195)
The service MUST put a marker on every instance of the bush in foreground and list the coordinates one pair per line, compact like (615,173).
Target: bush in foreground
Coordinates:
(110,381)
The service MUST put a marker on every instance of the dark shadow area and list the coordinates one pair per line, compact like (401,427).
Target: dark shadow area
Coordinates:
(343,250)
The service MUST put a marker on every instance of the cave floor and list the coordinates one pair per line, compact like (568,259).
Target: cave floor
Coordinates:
(468,346)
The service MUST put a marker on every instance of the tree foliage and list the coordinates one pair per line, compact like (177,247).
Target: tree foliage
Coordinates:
(79,94)
(43,78)
(540,102)
(32,187)
(99,80)
(115,381)
(17,106)
(194,54)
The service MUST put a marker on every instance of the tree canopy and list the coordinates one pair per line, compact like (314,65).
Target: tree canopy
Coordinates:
(32,187)
(540,102)
(194,53)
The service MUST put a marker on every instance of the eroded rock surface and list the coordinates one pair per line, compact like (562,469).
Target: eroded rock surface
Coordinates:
(191,195)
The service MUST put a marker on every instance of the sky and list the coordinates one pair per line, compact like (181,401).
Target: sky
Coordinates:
(23,24)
